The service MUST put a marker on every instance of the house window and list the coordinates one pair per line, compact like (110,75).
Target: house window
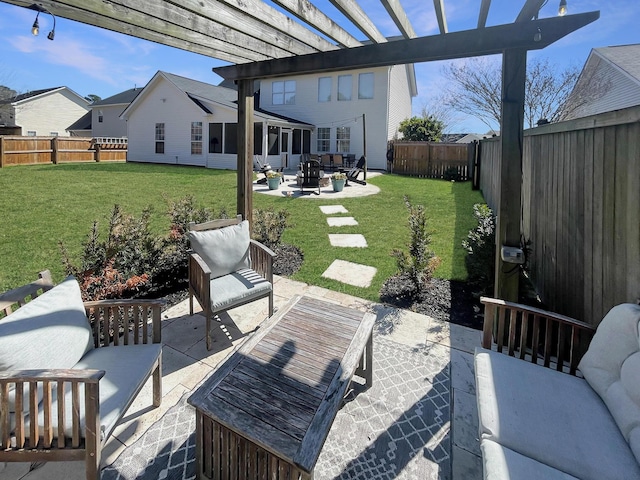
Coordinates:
(324,139)
(196,138)
(365,86)
(343,139)
(53,134)
(215,138)
(283,92)
(231,138)
(344,88)
(31,133)
(324,89)
(159,137)
(273,144)
(100,116)
(306,141)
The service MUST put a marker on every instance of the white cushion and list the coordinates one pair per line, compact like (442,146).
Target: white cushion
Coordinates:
(224,250)
(612,368)
(500,463)
(236,288)
(551,417)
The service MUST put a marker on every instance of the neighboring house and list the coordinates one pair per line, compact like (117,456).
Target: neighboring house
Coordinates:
(81,127)
(182,121)
(336,103)
(48,112)
(610,80)
(465,137)
(105,114)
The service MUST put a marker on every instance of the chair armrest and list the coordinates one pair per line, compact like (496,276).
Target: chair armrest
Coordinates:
(262,259)
(199,279)
(560,340)
(21,295)
(127,321)
(15,437)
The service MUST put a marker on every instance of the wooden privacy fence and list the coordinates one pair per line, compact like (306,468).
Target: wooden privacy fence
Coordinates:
(44,150)
(580,210)
(434,160)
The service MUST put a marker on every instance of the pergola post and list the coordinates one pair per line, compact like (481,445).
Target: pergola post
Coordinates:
(508,230)
(245,150)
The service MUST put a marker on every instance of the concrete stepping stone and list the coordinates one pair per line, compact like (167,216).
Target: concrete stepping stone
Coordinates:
(351,273)
(331,209)
(347,240)
(341,221)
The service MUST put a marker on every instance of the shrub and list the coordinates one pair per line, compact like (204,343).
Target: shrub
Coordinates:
(451,174)
(420,263)
(269,226)
(132,262)
(480,245)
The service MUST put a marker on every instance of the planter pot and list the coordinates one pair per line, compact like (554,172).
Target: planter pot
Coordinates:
(273,183)
(338,185)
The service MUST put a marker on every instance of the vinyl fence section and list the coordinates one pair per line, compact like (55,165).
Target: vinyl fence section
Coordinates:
(43,150)
(580,210)
(433,160)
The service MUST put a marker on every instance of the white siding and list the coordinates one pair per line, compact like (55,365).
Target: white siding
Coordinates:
(345,113)
(164,103)
(53,112)
(399,99)
(112,125)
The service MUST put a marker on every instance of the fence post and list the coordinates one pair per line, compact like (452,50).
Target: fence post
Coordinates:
(54,150)
(96,152)
(1,151)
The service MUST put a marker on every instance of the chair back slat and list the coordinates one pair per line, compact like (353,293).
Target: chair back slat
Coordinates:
(215,224)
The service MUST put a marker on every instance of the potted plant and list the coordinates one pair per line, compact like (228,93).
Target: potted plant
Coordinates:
(338,180)
(273,179)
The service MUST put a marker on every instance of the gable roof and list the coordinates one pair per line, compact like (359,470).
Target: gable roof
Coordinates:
(200,93)
(83,123)
(121,98)
(23,97)
(624,57)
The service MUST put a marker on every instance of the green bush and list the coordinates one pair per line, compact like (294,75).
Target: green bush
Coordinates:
(480,245)
(420,263)
(132,262)
(269,226)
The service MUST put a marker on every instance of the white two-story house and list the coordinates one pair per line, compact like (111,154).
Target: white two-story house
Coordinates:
(182,121)
(105,114)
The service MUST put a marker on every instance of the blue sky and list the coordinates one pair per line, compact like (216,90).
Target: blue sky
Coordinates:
(90,60)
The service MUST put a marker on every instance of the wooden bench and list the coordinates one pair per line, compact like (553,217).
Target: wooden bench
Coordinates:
(268,408)
(74,411)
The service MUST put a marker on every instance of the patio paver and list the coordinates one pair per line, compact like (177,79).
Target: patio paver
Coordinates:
(347,240)
(351,273)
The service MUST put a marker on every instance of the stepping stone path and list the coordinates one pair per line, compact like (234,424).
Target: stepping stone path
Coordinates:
(341,270)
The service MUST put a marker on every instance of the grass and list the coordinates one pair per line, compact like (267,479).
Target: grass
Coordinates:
(43,205)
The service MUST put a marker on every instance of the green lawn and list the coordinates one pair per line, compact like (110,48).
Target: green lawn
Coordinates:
(42,205)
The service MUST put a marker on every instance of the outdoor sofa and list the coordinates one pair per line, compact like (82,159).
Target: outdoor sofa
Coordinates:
(577,418)
(76,380)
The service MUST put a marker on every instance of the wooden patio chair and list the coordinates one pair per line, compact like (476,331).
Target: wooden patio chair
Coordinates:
(310,176)
(337,162)
(227,268)
(325,161)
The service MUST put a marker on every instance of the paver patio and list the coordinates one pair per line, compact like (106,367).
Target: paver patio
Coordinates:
(445,447)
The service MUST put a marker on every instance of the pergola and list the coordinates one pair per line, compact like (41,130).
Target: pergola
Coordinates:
(260,41)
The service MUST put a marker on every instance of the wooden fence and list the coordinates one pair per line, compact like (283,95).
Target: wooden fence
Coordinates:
(433,160)
(44,150)
(580,210)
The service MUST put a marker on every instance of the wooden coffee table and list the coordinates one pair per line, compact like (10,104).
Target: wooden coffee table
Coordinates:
(266,411)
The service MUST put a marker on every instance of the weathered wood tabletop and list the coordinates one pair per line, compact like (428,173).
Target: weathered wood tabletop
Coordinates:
(282,389)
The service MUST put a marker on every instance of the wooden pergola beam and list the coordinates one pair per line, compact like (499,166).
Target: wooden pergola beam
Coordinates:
(399,17)
(442,19)
(468,43)
(484,13)
(352,10)
(530,10)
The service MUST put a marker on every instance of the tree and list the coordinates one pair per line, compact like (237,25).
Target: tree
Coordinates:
(7,93)
(92,98)
(421,129)
(474,87)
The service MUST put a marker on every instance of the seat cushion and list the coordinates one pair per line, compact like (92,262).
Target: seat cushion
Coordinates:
(236,288)
(551,417)
(612,368)
(501,463)
(51,331)
(224,250)
(126,367)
